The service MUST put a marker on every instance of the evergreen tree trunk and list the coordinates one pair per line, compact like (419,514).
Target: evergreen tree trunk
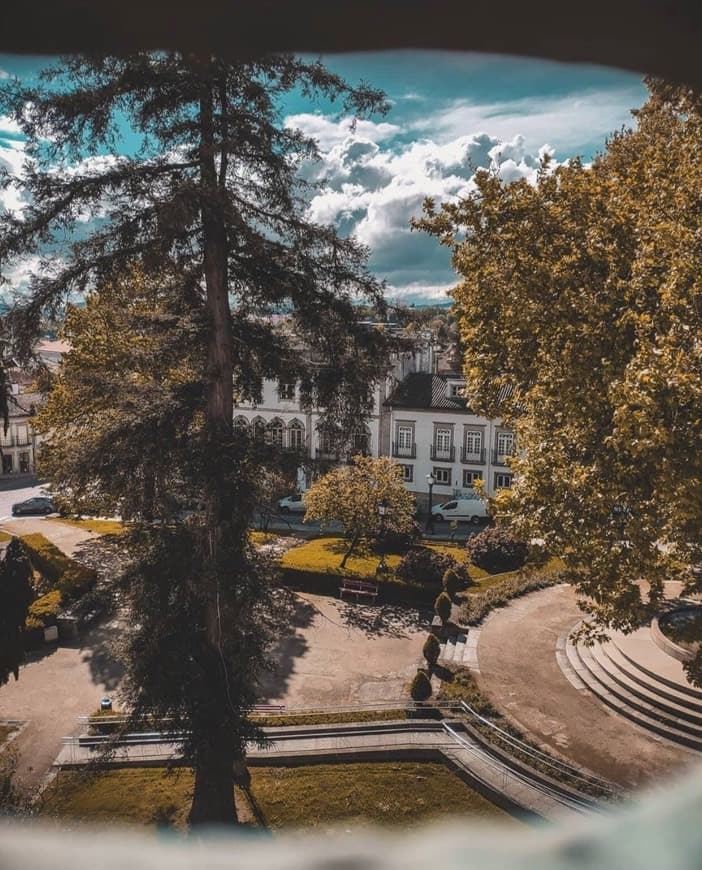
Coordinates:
(213,797)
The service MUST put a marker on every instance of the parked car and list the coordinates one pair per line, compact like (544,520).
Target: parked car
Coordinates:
(40,504)
(467,510)
(292,504)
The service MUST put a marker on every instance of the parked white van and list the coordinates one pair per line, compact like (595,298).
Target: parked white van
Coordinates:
(467,510)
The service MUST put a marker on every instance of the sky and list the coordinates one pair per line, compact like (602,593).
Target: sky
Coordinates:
(449,114)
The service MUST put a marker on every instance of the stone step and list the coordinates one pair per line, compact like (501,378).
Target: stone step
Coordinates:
(668,699)
(459,648)
(627,704)
(660,667)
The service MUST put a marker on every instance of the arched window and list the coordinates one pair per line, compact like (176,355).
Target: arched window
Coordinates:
(296,435)
(361,441)
(258,428)
(241,423)
(275,431)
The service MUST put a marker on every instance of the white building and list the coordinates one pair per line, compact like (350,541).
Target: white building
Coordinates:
(419,417)
(18,445)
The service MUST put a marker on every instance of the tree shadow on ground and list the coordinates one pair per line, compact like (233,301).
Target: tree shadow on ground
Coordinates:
(98,647)
(274,684)
(384,620)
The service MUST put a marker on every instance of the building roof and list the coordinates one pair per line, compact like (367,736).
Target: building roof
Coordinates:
(23,405)
(423,390)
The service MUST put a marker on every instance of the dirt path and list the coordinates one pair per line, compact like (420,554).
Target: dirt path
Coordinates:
(519,672)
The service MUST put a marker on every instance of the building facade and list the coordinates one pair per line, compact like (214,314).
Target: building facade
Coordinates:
(18,445)
(419,417)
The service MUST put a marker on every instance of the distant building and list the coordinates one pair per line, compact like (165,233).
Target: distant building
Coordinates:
(420,418)
(18,446)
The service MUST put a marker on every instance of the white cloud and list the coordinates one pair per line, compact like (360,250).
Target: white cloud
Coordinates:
(4,74)
(568,122)
(328,132)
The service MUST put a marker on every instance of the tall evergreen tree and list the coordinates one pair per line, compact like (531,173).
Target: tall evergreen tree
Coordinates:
(213,199)
(16,594)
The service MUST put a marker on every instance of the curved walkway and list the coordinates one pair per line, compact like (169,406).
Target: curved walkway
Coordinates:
(520,674)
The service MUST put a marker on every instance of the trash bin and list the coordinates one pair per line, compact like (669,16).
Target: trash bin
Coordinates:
(106,704)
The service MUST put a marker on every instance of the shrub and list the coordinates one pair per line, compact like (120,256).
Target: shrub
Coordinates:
(399,542)
(431,650)
(452,583)
(76,581)
(44,610)
(45,557)
(420,688)
(442,606)
(423,565)
(496,550)
(476,607)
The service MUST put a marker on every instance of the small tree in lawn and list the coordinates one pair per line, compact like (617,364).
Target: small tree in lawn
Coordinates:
(431,650)
(352,494)
(16,594)
(420,688)
(272,486)
(442,606)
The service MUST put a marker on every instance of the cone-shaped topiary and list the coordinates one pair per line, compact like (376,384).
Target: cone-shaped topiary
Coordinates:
(420,687)
(451,583)
(431,650)
(442,606)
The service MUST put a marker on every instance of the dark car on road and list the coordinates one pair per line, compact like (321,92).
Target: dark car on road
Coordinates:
(40,504)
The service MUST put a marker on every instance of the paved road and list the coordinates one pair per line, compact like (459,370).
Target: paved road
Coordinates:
(519,672)
(16,489)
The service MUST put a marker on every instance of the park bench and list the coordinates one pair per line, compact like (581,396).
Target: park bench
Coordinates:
(359,588)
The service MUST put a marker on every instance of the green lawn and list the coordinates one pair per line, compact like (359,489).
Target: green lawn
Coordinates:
(403,793)
(100,527)
(5,536)
(324,555)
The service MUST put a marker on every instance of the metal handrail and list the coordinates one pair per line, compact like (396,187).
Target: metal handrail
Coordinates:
(556,764)
(570,802)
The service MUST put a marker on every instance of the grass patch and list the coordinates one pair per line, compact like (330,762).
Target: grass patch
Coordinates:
(99,527)
(5,536)
(324,555)
(257,538)
(6,731)
(266,720)
(402,793)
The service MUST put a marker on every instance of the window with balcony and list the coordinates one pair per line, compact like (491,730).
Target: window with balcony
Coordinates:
(473,446)
(443,443)
(505,443)
(404,441)
(442,476)
(360,443)
(503,481)
(286,391)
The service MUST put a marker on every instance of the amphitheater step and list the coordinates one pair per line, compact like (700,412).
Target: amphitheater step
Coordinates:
(670,700)
(658,666)
(599,682)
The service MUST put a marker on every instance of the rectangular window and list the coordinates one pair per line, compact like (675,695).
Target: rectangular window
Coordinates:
(286,391)
(442,476)
(24,463)
(503,481)
(505,443)
(470,476)
(473,442)
(295,436)
(456,390)
(442,440)
(407,473)
(405,437)
(7,464)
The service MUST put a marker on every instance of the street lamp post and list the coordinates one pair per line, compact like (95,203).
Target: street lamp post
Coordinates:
(431,480)
(382,513)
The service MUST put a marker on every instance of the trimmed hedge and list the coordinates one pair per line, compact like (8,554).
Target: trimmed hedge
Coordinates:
(496,550)
(392,590)
(67,580)
(424,566)
(476,607)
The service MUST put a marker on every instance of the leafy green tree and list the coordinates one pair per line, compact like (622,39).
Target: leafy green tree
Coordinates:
(452,583)
(16,594)
(354,494)
(579,306)
(210,211)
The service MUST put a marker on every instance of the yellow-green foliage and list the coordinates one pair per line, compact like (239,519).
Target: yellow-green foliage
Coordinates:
(404,793)
(45,556)
(5,536)
(44,610)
